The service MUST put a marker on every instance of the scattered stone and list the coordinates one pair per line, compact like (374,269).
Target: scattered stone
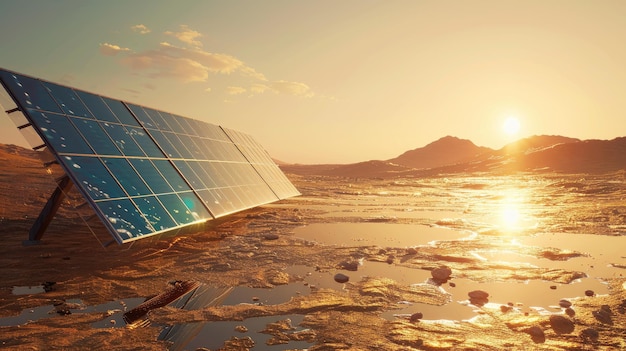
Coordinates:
(441,274)
(270,236)
(341,278)
(255,298)
(241,329)
(537,334)
(561,325)
(478,297)
(564,303)
(112,322)
(221,267)
(415,317)
(452,285)
(390,259)
(589,293)
(589,334)
(411,251)
(49,286)
(604,314)
(553,287)
(570,312)
(349,265)
(505,308)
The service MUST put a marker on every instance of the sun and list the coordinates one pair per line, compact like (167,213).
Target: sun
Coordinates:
(511,125)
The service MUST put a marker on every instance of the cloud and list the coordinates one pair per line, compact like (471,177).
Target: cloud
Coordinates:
(194,64)
(141,29)
(187,35)
(235,90)
(291,88)
(111,49)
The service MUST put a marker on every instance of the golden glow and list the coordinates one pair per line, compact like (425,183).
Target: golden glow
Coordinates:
(510,216)
(511,125)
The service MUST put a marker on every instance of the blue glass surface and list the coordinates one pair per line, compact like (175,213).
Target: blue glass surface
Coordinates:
(158,119)
(155,213)
(96,137)
(123,140)
(151,176)
(59,132)
(121,112)
(97,107)
(93,177)
(165,144)
(29,92)
(142,116)
(171,175)
(189,174)
(127,176)
(145,142)
(68,100)
(179,145)
(179,211)
(125,218)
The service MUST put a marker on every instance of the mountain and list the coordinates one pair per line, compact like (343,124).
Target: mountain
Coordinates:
(451,155)
(445,151)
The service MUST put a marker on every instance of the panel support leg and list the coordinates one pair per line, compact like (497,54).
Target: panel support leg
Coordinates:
(48,212)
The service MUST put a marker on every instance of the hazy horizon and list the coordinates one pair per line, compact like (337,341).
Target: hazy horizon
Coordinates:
(371,79)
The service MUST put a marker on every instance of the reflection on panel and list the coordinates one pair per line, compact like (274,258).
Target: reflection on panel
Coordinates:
(142,170)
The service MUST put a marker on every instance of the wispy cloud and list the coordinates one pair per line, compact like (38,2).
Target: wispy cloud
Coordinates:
(141,29)
(111,49)
(187,35)
(235,90)
(191,63)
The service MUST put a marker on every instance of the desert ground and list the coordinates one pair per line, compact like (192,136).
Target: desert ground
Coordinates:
(336,307)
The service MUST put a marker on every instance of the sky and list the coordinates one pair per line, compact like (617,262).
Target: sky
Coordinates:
(338,81)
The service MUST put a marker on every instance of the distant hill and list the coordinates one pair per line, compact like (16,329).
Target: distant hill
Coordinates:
(445,151)
(450,155)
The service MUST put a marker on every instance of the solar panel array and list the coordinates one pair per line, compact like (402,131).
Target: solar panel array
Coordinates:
(146,171)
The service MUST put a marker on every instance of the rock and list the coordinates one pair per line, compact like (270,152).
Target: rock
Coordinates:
(570,312)
(441,274)
(604,314)
(478,297)
(452,285)
(561,325)
(589,293)
(241,329)
(270,236)
(390,259)
(415,317)
(349,265)
(564,303)
(411,251)
(553,287)
(341,278)
(589,334)
(537,334)
(505,308)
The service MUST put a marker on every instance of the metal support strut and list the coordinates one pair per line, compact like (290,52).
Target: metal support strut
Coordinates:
(48,212)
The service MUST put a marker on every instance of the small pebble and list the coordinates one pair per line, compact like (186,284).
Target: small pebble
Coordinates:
(341,278)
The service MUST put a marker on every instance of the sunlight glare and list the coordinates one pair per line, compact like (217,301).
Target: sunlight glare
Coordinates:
(511,125)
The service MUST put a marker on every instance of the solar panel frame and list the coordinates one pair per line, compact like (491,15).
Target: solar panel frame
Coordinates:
(145,171)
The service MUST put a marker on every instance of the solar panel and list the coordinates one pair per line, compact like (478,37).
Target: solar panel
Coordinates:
(144,171)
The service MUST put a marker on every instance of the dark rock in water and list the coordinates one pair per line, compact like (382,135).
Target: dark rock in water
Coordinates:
(570,312)
(589,334)
(341,278)
(49,286)
(564,303)
(553,287)
(561,325)
(537,334)
(349,265)
(441,274)
(604,314)
(270,236)
(452,285)
(478,297)
(415,317)
(589,293)
(505,308)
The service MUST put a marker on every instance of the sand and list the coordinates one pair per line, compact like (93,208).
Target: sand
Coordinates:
(255,248)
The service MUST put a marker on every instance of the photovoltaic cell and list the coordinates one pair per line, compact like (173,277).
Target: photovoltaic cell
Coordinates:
(146,171)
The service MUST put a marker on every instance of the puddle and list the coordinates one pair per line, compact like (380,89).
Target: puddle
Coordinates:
(212,335)
(376,234)
(28,290)
(115,308)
